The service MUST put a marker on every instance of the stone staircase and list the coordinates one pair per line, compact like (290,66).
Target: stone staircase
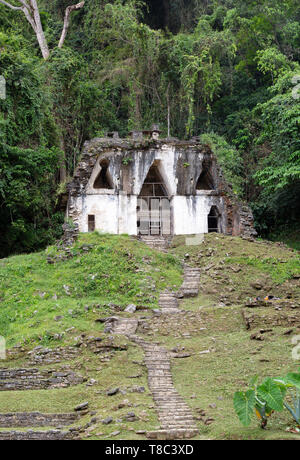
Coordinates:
(176,419)
(191,282)
(157,242)
(168,302)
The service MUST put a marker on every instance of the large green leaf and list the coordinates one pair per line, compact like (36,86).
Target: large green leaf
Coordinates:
(244,405)
(293,379)
(270,392)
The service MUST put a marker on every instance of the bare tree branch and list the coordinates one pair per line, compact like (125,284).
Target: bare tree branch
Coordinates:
(28,14)
(68,11)
(12,7)
(32,14)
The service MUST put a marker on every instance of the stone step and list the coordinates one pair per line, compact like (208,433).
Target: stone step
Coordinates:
(170,400)
(172,424)
(162,400)
(168,305)
(171,300)
(165,301)
(185,421)
(167,412)
(170,311)
(172,434)
(190,284)
(172,420)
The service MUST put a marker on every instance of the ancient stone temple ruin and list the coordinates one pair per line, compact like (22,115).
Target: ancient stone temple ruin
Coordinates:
(147,186)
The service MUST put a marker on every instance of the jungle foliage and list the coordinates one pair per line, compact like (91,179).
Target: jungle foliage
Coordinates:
(227,71)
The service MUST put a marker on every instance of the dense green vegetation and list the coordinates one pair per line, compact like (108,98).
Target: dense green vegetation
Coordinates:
(224,70)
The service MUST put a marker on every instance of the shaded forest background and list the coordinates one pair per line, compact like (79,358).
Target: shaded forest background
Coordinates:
(224,70)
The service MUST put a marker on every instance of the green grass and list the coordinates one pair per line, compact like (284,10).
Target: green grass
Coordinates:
(111,374)
(231,265)
(279,270)
(120,270)
(115,270)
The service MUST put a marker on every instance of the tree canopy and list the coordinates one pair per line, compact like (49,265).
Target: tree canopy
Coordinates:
(227,71)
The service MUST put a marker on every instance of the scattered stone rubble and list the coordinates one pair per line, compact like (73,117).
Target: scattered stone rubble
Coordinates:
(43,356)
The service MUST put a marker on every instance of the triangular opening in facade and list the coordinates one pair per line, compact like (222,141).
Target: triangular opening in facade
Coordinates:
(154,184)
(205,181)
(103,180)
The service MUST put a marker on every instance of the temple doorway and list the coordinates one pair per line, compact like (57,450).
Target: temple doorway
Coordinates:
(154,206)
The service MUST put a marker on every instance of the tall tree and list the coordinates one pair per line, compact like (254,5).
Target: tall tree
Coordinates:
(31,11)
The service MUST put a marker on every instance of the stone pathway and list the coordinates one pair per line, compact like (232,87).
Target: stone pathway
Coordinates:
(191,282)
(168,300)
(176,418)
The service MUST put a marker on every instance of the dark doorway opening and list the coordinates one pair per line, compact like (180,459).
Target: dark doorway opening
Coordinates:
(214,220)
(103,179)
(91,223)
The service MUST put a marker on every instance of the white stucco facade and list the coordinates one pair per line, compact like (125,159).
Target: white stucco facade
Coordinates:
(111,189)
(117,214)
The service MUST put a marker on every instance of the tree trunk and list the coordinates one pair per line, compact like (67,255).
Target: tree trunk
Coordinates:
(62,162)
(169,111)
(32,14)
(39,31)
(69,10)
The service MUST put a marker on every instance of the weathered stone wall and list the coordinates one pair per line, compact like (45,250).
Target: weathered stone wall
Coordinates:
(52,435)
(33,379)
(180,163)
(41,355)
(31,419)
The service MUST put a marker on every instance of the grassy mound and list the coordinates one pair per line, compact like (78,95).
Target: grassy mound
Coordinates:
(235,270)
(39,300)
